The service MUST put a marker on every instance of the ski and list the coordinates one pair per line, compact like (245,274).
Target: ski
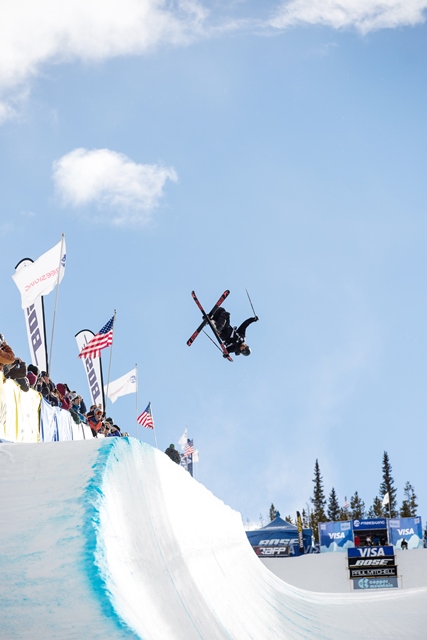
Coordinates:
(211,324)
(205,322)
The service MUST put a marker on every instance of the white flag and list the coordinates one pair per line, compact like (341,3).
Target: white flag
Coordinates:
(183,440)
(386,499)
(41,277)
(122,386)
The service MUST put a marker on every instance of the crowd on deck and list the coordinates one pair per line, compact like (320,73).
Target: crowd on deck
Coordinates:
(57,395)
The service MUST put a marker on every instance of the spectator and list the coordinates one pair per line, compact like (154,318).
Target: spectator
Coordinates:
(65,402)
(76,408)
(173,454)
(96,422)
(6,354)
(17,371)
(113,432)
(46,387)
(368,541)
(404,545)
(32,379)
(356,540)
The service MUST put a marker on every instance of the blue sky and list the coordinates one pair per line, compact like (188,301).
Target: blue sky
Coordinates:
(280,149)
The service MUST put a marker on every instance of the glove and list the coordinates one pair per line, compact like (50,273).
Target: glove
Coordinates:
(224,355)
(256,318)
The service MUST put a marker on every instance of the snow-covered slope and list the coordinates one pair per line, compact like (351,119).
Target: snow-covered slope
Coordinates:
(110,539)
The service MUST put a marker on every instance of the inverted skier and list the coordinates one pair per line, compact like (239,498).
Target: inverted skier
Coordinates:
(233,337)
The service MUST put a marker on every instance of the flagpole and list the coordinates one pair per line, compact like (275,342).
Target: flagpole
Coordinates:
(154,427)
(54,309)
(136,401)
(109,364)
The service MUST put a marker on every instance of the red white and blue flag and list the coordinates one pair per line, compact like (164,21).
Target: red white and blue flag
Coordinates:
(189,449)
(103,339)
(146,418)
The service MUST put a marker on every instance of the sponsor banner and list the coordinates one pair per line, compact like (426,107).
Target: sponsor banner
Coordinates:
(335,536)
(300,533)
(376,583)
(122,386)
(56,424)
(370,552)
(408,531)
(3,409)
(19,413)
(371,562)
(93,369)
(372,572)
(28,415)
(35,325)
(40,277)
(371,523)
(272,552)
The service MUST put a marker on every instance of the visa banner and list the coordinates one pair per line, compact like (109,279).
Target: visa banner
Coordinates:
(335,536)
(409,530)
(370,552)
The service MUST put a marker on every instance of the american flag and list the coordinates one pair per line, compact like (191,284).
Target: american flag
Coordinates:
(189,449)
(346,504)
(104,338)
(146,419)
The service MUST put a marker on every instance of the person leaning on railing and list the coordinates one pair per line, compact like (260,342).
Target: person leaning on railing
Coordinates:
(6,354)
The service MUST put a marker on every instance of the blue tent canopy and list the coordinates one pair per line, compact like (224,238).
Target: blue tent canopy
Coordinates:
(278,538)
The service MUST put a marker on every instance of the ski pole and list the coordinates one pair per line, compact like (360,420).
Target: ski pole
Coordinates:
(207,334)
(250,302)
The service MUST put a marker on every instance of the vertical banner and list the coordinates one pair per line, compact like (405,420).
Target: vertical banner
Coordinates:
(35,325)
(300,534)
(93,369)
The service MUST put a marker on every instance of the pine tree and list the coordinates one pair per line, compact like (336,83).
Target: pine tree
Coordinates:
(387,486)
(409,504)
(343,514)
(273,512)
(333,506)
(318,501)
(357,507)
(289,519)
(304,518)
(376,511)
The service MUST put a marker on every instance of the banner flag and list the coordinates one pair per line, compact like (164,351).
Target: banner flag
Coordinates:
(183,440)
(41,277)
(386,499)
(122,386)
(36,328)
(300,533)
(93,369)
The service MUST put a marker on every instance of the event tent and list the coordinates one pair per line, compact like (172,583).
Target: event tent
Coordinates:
(279,538)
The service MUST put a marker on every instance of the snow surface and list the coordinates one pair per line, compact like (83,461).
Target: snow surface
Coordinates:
(110,539)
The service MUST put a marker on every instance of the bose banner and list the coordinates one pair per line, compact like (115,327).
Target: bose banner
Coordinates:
(93,369)
(35,324)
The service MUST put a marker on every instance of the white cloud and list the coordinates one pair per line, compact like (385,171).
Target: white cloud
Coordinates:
(49,31)
(363,15)
(124,191)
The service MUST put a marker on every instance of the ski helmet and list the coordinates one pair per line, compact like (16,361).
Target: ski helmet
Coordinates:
(245,351)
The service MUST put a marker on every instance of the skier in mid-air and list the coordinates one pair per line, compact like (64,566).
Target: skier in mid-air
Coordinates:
(233,337)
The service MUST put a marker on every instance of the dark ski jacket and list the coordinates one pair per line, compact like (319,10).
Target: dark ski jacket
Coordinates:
(173,454)
(236,336)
